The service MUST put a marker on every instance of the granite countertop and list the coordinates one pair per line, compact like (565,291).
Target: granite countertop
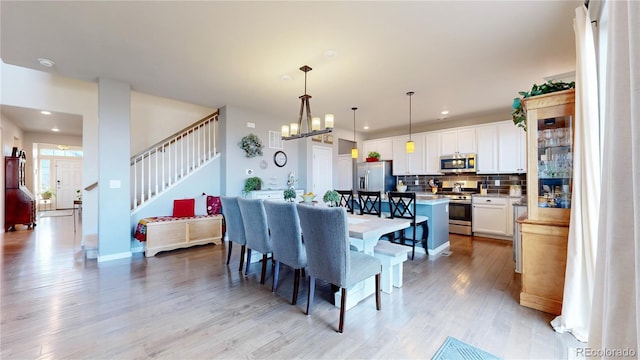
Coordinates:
(499,195)
(427,199)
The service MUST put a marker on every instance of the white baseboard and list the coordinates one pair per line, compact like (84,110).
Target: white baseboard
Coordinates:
(439,249)
(122,255)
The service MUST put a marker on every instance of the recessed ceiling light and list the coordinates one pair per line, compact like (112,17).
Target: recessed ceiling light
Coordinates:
(366,127)
(55,129)
(330,54)
(285,77)
(46,62)
(445,112)
(45,112)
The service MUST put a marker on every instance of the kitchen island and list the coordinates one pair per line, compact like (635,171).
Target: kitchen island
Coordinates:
(436,208)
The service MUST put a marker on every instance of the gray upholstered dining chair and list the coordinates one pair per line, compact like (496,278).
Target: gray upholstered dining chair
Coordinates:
(326,237)
(235,226)
(286,239)
(256,231)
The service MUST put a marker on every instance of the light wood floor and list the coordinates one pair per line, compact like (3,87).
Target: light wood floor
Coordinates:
(187,304)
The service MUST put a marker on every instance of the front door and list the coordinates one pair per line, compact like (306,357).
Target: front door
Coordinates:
(68,181)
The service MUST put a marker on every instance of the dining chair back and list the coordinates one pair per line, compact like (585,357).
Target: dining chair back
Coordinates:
(235,226)
(370,203)
(346,199)
(403,205)
(326,237)
(286,238)
(256,230)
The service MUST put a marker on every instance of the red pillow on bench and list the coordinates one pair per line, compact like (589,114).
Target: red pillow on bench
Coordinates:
(184,207)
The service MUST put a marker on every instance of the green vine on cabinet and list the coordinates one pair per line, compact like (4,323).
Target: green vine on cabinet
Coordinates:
(251,145)
(519,115)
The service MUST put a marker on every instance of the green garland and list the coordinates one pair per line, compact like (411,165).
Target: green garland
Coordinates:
(519,115)
(251,145)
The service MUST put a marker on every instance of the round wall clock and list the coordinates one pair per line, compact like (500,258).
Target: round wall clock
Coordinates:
(280,158)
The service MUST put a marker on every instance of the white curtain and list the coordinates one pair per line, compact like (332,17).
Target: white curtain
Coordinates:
(585,200)
(616,298)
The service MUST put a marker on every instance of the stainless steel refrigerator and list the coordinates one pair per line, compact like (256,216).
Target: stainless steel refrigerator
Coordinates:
(375,176)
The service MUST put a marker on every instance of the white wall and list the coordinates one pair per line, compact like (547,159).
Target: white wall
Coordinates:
(233,127)
(154,118)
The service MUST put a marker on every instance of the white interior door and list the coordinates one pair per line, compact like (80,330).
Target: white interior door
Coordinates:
(322,170)
(68,180)
(345,172)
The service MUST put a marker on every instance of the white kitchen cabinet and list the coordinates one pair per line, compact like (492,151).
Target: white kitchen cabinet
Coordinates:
(458,141)
(432,153)
(382,146)
(512,148)
(510,209)
(489,216)
(487,145)
(408,164)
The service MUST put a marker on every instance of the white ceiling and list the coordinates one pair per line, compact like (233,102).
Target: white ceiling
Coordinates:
(467,57)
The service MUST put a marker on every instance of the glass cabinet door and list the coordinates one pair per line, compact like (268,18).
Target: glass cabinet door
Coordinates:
(555,162)
(550,127)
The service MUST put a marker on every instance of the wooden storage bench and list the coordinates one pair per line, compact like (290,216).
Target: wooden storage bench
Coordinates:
(169,233)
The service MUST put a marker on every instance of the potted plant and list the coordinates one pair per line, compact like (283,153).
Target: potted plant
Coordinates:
(519,115)
(373,156)
(331,197)
(252,183)
(290,195)
(47,194)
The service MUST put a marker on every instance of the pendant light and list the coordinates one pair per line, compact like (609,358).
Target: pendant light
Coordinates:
(354,150)
(410,145)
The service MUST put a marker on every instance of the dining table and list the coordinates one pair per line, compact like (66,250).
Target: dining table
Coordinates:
(364,233)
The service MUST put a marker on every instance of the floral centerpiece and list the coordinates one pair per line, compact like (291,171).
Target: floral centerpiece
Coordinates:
(331,197)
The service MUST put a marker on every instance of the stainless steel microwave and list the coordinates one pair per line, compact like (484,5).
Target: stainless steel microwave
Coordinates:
(458,163)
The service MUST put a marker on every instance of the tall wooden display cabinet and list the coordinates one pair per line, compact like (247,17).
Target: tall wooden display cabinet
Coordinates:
(20,204)
(550,124)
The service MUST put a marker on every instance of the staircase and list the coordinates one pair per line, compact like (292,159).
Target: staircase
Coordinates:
(163,165)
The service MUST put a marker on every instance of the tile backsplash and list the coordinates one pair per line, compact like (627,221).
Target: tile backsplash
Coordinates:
(492,188)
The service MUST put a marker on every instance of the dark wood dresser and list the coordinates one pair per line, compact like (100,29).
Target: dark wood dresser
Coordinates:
(20,204)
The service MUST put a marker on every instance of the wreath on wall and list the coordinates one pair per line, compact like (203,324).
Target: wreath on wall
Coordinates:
(251,145)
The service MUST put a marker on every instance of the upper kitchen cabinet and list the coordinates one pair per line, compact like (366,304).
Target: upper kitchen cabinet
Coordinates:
(512,148)
(458,141)
(501,148)
(487,146)
(382,146)
(432,153)
(409,164)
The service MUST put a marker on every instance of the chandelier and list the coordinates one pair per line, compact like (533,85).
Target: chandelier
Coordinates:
(314,126)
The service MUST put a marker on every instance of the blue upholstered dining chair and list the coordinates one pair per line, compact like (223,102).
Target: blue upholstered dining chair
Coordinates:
(326,237)
(256,231)
(370,203)
(286,238)
(403,205)
(235,226)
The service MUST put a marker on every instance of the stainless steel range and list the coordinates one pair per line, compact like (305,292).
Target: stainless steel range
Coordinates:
(459,194)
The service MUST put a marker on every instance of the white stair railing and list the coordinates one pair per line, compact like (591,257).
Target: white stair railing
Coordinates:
(162,165)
